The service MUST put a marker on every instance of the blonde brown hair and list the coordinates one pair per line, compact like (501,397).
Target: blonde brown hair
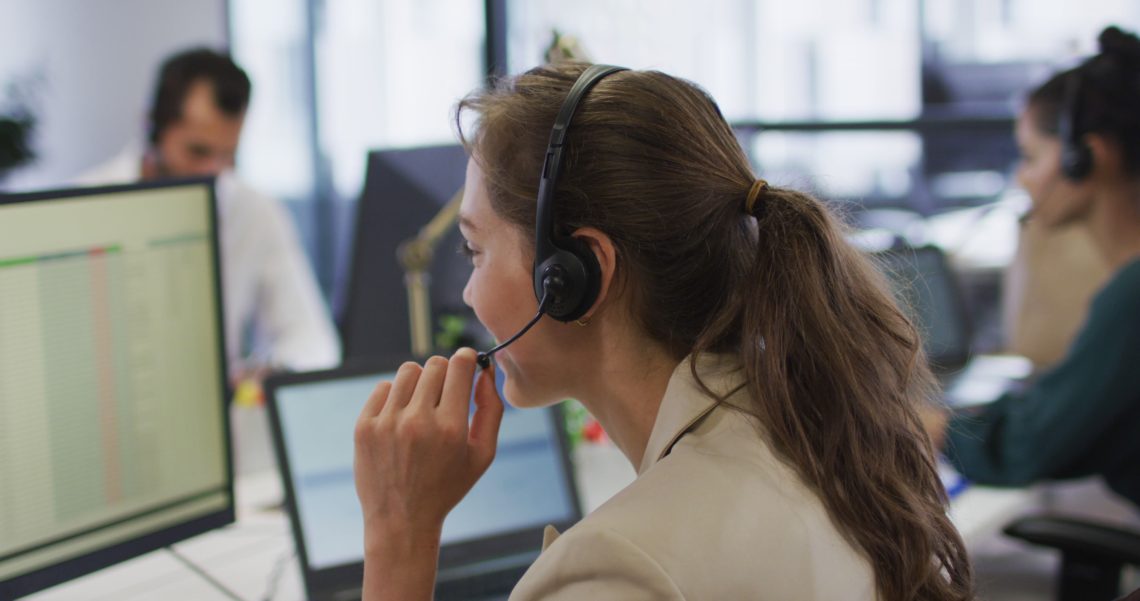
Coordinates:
(834,368)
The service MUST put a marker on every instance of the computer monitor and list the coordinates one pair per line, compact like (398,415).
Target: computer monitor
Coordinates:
(113,429)
(926,287)
(403,190)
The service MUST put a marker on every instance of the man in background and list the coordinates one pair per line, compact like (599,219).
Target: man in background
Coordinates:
(275,317)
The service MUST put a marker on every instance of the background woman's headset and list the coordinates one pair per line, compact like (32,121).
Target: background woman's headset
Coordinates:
(1076,156)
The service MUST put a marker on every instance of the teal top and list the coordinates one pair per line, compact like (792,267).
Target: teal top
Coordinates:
(1081,418)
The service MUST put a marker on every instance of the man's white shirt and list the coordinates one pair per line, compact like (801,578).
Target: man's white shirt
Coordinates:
(274,313)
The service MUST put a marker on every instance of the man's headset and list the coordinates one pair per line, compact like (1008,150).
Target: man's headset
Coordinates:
(566,272)
(1076,156)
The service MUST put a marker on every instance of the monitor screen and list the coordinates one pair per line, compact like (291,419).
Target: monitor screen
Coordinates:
(525,487)
(113,431)
(926,288)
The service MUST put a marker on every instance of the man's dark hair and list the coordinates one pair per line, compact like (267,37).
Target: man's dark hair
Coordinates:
(179,72)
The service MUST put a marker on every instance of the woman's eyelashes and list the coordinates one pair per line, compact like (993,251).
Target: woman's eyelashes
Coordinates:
(466,250)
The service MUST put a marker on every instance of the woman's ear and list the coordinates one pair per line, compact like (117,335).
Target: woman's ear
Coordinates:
(606,253)
(1106,156)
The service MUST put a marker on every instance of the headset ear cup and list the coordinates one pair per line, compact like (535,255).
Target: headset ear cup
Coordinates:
(564,268)
(1076,161)
(592,283)
(1076,156)
(579,279)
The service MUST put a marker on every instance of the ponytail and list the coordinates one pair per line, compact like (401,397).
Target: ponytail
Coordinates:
(836,370)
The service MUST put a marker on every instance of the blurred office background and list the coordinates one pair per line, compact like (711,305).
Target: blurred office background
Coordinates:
(899,112)
(871,103)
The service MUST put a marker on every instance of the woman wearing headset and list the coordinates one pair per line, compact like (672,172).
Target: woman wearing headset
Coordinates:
(746,359)
(1080,143)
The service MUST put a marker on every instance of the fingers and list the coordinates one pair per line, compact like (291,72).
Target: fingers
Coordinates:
(403,386)
(376,401)
(457,388)
(430,385)
(484,434)
(445,387)
(415,456)
(423,388)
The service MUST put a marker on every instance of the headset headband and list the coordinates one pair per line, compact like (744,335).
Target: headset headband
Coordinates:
(548,245)
(1076,157)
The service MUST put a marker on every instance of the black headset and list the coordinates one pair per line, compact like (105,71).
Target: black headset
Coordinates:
(564,268)
(1076,156)
(566,272)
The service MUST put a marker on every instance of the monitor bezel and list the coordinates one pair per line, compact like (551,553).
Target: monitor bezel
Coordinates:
(524,543)
(86,563)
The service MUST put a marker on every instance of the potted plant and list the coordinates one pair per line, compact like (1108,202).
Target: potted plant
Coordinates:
(16,124)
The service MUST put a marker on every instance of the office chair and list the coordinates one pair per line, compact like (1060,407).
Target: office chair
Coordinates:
(1092,555)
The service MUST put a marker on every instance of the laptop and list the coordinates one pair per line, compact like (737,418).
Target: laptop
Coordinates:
(489,539)
(927,287)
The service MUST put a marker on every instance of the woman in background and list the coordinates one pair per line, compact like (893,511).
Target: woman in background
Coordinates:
(1079,137)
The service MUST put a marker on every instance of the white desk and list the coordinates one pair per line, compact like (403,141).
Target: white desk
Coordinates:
(244,555)
(241,556)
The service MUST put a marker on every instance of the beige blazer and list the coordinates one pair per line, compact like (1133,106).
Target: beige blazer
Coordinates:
(713,514)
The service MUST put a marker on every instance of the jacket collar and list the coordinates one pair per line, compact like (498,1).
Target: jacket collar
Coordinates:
(686,403)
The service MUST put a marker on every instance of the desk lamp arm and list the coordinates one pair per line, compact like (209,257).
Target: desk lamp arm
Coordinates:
(415,255)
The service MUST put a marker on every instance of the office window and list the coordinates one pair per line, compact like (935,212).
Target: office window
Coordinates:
(369,74)
(986,55)
(767,59)
(873,168)
(838,60)
(720,54)
(269,40)
(389,74)
(1022,30)
(980,59)
(333,80)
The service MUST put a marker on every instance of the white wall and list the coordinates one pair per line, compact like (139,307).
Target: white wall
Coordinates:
(97,60)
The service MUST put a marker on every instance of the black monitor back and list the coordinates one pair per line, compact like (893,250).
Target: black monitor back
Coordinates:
(403,190)
(927,289)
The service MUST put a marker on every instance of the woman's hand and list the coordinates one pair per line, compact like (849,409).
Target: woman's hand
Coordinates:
(416,457)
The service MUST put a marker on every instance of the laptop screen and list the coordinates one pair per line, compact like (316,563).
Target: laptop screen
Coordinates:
(526,487)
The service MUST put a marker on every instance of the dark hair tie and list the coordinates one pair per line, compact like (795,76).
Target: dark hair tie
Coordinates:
(752,204)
